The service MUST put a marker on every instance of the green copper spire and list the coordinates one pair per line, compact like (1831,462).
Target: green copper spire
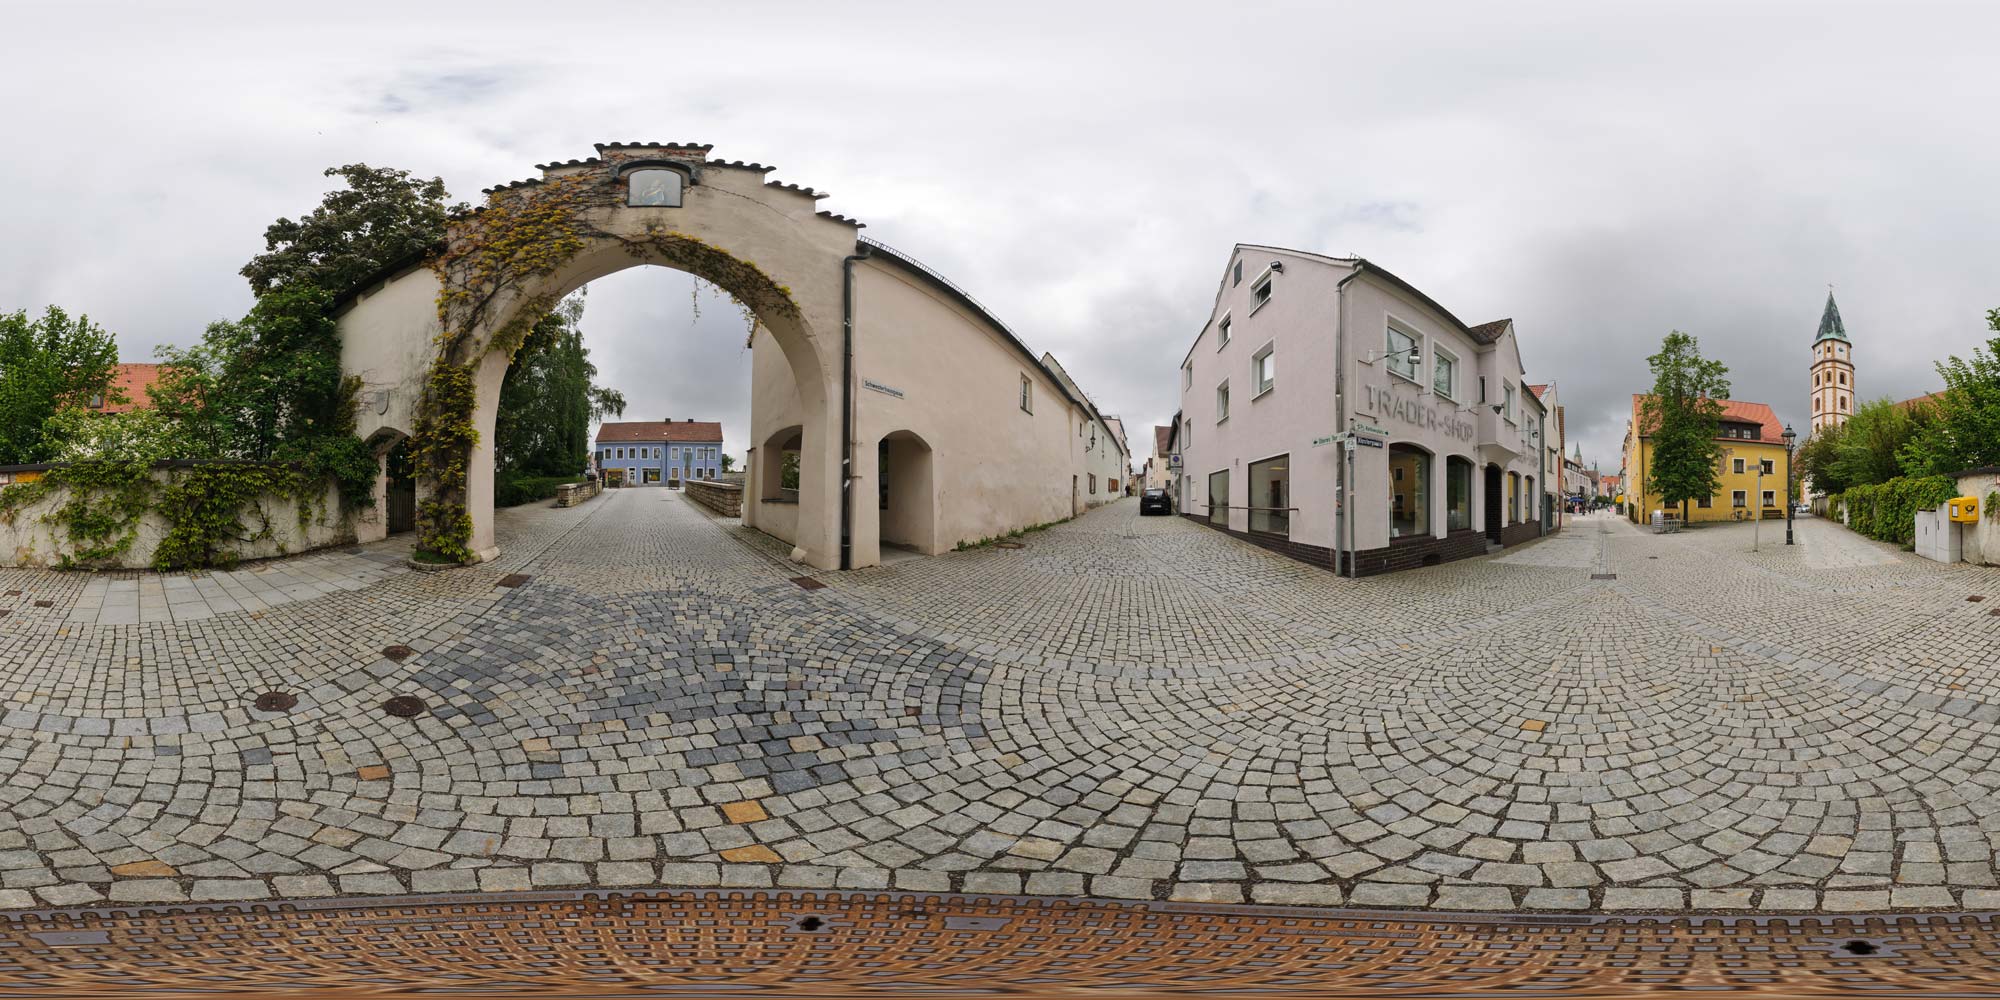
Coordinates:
(1829,321)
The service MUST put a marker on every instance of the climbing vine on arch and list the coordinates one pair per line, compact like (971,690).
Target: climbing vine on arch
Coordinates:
(494,260)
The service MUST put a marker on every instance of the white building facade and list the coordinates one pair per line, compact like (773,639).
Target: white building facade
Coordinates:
(1333,412)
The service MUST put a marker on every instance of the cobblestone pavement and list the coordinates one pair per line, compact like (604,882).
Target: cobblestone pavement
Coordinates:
(1130,708)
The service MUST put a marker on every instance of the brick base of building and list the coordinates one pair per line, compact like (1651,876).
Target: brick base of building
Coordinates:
(1403,553)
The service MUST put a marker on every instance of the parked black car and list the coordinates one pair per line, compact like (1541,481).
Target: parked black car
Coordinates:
(1155,502)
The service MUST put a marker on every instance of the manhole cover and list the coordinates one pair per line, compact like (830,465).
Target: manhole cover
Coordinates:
(514,579)
(1604,576)
(404,706)
(397,653)
(276,701)
(45,604)
(808,583)
(1008,545)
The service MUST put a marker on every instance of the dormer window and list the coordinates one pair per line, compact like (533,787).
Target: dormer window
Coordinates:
(97,401)
(654,187)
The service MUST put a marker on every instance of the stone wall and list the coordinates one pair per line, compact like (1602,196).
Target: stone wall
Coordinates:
(573,494)
(723,498)
(27,538)
(1980,543)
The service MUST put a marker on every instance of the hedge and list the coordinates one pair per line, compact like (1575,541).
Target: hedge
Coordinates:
(1888,511)
(515,491)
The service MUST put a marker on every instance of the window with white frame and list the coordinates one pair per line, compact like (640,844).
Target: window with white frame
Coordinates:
(1222,401)
(1402,352)
(1704,502)
(1260,292)
(1236,273)
(1263,370)
(1770,498)
(1507,401)
(1027,395)
(1222,333)
(1767,468)
(1738,498)
(1736,466)
(1187,376)
(1444,373)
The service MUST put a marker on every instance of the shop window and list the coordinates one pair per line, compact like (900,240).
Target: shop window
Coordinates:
(1218,498)
(1409,491)
(658,187)
(1457,494)
(1271,496)
(1513,498)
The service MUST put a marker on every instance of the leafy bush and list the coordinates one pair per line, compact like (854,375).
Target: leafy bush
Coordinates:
(513,491)
(1887,511)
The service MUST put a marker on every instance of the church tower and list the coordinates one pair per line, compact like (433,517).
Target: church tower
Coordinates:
(1832,370)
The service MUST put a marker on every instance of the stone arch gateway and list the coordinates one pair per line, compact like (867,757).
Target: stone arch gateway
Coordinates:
(853,341)
(509,262)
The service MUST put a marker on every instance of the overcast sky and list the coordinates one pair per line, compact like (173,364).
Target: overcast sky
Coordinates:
(1600,174)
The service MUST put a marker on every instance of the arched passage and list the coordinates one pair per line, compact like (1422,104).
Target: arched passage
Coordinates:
(905,495)
(535,241)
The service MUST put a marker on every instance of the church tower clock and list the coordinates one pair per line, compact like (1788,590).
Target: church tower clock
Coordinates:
(1832,371)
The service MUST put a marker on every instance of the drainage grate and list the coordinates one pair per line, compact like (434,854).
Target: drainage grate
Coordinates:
(808,583)
(398,653)
(1604,576)
(809,924)
(276,701)
(404,706)
(514,579)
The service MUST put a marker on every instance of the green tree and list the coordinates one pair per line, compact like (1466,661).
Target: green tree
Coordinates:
(1963,431)
(728,463)
(548,400)
(382,217)
(1684,415)
(45,363)
(255,384)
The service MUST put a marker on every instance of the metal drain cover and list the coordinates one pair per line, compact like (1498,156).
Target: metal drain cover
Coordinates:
(276,701)
(808,583)
(398,653)
(514,579)
(404,706)
(1604,576)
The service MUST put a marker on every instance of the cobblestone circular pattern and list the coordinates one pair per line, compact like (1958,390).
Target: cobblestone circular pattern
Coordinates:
(1131,708)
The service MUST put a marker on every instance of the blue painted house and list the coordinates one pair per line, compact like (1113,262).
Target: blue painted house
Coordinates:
(659,452)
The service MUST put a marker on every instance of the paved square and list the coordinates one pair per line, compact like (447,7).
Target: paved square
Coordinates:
(1135,708)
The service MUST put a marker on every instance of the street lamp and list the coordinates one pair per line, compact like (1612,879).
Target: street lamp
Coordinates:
(1791,502)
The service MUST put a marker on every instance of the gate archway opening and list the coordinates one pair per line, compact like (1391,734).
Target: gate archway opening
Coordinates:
(906,494)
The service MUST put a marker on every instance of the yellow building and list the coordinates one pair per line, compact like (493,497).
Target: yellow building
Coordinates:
(1753,467)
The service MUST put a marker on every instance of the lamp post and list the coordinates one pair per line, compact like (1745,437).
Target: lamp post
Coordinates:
(1791,502)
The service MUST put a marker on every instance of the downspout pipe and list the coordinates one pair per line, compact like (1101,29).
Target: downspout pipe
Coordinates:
(1343,518)
(847,407)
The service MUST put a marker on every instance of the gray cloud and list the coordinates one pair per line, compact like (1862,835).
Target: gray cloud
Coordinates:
(1601,173)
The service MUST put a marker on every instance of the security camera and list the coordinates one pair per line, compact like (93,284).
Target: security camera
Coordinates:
(1277,265)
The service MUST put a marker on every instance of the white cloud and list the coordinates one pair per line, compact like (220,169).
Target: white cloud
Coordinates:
(1599,174)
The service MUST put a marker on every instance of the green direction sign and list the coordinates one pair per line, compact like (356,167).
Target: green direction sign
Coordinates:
(1361,428)
(1321,442)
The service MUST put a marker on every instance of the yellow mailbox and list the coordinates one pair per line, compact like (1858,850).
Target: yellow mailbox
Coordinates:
(1964,510)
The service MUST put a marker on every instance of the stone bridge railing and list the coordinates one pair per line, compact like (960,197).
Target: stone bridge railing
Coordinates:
(723,498)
